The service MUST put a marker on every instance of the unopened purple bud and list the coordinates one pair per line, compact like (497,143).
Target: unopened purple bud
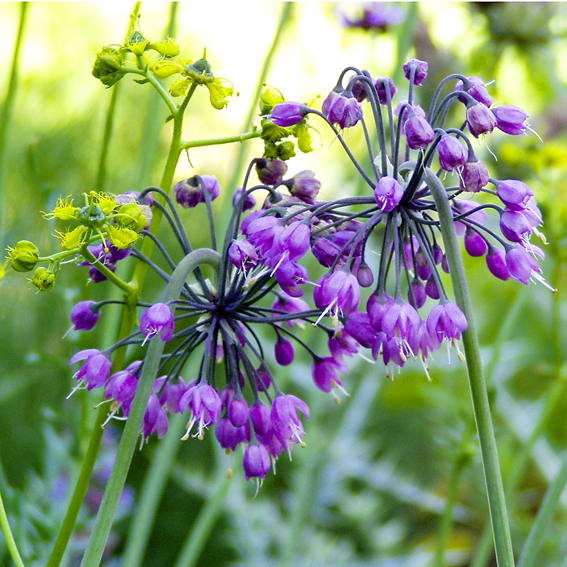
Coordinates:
(284,351)
(289,113)
(158,319)
(359,91)
(260,418)
(325,251)
(431,288)
(511,119)
(418,132)
(377,306)
(385,85)
(238,412)
(342,110)
(514,194)
(271,171)
(305,186)
(189,192)
(388,193)
(452,153)
(83,317)
(474,176)
(256,461)
(496,262)
(364,274)
(419,69)
(418,292)
(249,201)
(324,373)
(478,91)
(475,245)
(230,436)
(480,119)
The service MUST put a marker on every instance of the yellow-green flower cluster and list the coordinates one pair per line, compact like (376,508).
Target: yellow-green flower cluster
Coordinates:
(101,216)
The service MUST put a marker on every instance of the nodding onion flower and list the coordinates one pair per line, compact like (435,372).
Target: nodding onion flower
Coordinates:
(258,289)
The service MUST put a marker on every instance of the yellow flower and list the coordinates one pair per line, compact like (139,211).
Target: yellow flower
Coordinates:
(72,239)
(220,90)
(167,48)
(64,210)
(180,87)
(43,279)
(121,237)
(165,68)
(105,202)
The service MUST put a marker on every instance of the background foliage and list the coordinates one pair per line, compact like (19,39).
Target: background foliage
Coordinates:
(372,484)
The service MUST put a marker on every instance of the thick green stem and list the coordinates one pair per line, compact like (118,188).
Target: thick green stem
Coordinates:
(133,426)
(481,406)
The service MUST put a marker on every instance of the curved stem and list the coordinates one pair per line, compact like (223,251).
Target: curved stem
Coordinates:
(481,406)
(8,536)
(218,141)
(131,432)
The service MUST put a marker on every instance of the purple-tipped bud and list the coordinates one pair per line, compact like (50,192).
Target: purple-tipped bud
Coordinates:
(418,292)
(419,68)
(229,436)
(157,319)
(305,186)
(325,251)
(418,132)
(238,412)
(359,91)
(452,153)
(511,119)
(364,274)
(249,201)
(271,171)
(475,245)
(478,91)
(83,317)
(289,113)
(388,193)
(189,192)
(431,289)
(344,111)
(256,461)
(474,176)
(496,262)
(284,351)
(514,194)
(480,119)
(385,85)
(243,254)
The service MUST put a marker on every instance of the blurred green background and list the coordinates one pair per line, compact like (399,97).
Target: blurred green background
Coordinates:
(371,485)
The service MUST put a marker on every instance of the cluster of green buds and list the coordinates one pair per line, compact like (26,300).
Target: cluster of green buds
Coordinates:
(161,60)
(115,220)
(276,146)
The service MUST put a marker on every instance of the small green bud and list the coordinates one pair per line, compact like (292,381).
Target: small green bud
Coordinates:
(43,279)
(167,48)
(286,150)
(24,256)
(200,71)
(92,215)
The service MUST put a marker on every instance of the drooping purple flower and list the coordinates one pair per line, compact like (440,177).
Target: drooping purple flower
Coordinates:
(305,186)
(358,326)
(260,417)
(243,254)
(325,251)
(189,192)
(400,320)
(474,176)
(249,201)
(295,240)
(418,292)
(377,306)
(446,321)
(514,194)
(496,262)
(291,277)
(286,424)
(95,370)
(229,436)
(511,119)
(521,265)
(155,418)
(516,226)
(419,69)
(284,351)
(385,85)
(342,110)
(478,91)
(256,462)
(288,113)
(157,319)
(475,245)
(121,387)
(431,289)
(480,119)
(338,292)
(171,394)
(238,411)
(452,153)
(205,405)
(418,132)
(271,171)
(388,193)
(83,317)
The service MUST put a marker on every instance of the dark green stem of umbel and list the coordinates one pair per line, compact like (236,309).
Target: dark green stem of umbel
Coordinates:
(481,407)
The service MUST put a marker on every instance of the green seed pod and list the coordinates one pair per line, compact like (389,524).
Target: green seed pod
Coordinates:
(286,150)
(24,256)
(107,66)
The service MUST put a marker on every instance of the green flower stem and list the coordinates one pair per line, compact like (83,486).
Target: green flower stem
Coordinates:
(155,83)
(133,426)
(186,145)
(6,118)
(544,517)
(111,276)
(10,541)
(197,537)
(150,495)
(481,407)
